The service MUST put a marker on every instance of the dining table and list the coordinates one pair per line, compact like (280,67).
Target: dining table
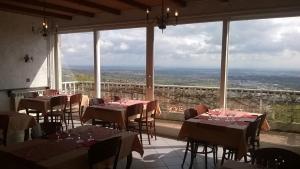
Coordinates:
(42,103)
(114,112)
(68,150)
(13,121)
(223,127)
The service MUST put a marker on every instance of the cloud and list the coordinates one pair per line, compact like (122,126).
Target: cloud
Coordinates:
(265,43)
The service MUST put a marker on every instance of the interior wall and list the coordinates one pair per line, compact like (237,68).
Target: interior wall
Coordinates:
(17,39)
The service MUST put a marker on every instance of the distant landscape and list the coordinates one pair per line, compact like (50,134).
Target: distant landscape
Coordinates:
(237,78)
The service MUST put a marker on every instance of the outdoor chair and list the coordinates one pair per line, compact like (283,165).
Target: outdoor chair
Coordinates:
(32,112)
(201,108)
(276,158)
(147,120)
(116,98)
(252,129)
(99,101)
(104,150)
(57,109)
(50,92)
(74,106)
(257,137)
(133,111)
(193,145)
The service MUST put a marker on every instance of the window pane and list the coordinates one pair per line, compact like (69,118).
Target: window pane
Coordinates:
(123,63)
(264,72)
(187,67)
(77,62)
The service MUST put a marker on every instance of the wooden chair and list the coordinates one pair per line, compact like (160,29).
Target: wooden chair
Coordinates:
(50,92)
(276,158)
(147,120)
(74,106)
(57,109)
(193,145)
(32,112)
(252,129)
(4,120)
(99,101)
(257,138)
(116,98)
(104,150)
(133,111)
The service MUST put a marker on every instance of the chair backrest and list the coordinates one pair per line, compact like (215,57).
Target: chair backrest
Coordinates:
(252,130)
(262,119)
(96,101)
(151,109)
(49,128)
(201,108)
(103,150)
(50,92)
(58,102)
(276,158)
(190,113)
(136,109)
(116,98)
(31,95)
(75,99)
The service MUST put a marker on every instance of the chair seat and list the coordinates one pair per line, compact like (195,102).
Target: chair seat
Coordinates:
(143,120)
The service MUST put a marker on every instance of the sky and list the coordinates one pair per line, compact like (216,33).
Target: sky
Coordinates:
(258,44)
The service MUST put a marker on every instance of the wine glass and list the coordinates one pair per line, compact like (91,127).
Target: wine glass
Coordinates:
(209,114)
(69,135)
(91,138)
(79,140)
(58,134)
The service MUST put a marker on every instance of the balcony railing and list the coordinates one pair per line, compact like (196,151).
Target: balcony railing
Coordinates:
(281,105)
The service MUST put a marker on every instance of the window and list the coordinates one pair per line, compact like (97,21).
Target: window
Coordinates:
(187,67)
(264,70)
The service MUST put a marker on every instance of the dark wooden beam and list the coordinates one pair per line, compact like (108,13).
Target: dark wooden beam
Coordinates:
(55,7)
(136,4)
(19,9)
(96,6)
(180,2)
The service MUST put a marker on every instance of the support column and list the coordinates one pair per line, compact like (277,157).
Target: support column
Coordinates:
(57,62)
(97,73)
(224,61)
(150,63)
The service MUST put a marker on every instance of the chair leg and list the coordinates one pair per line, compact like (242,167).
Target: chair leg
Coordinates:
(205,155)
(223,156)
(185,153)
(154,129)
(192,154)
(140,131)
(147,130)
(72,120)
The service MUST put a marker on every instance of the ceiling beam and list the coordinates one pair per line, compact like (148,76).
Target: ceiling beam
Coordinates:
(96,6)
(19,9)
(55,7)
(182,3)
(136,4)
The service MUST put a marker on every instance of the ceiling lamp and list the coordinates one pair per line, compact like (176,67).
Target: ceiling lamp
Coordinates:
(166,14)
(44,29)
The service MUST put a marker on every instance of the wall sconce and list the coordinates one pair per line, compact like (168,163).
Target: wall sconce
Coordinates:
(28,59)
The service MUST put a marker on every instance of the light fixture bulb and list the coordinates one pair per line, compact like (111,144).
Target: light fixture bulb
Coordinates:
(147,11)
(168,9)
(176,13)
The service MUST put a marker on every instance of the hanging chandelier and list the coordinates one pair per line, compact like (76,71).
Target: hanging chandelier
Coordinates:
(166,13)
(44,29)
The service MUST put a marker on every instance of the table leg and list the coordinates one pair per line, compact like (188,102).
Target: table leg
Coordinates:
(26,135)
(129,161)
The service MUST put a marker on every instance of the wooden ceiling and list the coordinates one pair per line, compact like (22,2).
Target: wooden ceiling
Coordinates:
(66,9)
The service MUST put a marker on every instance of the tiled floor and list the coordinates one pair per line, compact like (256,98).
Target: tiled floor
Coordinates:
(165,153)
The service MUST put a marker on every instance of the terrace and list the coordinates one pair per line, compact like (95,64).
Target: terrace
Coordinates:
(31,62)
